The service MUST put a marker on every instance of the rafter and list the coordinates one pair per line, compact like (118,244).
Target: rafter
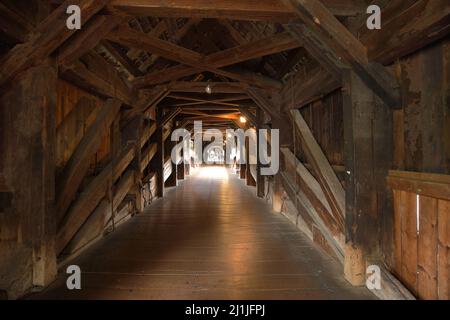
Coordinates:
(47,37)
(267,46)
(197,63)
(334,38)
(87,38)
(272,10)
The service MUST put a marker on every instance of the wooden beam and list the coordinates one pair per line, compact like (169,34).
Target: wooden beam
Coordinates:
(120,55)
(14,25)
(412,26)
(308,213)
(90,198)
(260,179)
(312,190)
(47,37)
(147,133)
(317,85)
(94,82)
(96,222)
(147,99)
(158,161)
(200,87)
(78,165)
(325,56)
(263,47)
(329,182)
(263,102)
(170,116)
(336,38)
(272,10)
(87,38)
(131,38)
(269,45)
(368,153)
(147,155)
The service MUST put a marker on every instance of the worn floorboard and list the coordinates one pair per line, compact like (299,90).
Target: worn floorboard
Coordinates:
(210,238)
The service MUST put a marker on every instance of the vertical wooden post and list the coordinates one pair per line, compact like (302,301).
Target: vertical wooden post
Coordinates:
(248,175)
(172,180)
(243,171)
(368,157)
(260,180)
(159,157)
(27,237)
(181,170)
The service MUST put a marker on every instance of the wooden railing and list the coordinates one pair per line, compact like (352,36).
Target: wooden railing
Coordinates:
(422,232)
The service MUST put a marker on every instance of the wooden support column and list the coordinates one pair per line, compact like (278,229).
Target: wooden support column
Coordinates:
(27,158)
(260,180)
(368,156)
(172,180)
(158,161)
(248,175)
(181,167)
(243,171)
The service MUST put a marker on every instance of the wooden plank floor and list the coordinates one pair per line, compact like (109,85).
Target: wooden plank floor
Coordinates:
(210,238)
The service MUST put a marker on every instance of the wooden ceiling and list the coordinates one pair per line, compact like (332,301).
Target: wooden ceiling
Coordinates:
(135,49)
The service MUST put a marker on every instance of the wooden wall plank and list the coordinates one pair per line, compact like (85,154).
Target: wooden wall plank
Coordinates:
(77,167)
(444,250)
(409,241)
(427,250)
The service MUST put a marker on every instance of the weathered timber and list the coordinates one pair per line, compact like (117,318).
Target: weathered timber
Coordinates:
(47,37)
(95,224)
(78,165)
(244,52)
(86,40)
(129,37)
(412,27)
(334,37)
(328,180)
(271,10)
(264,102)
(368,157)
(90,197)
(27,181)
(317,85)
(148,154)
(308,213)
(311,188)
(94,82)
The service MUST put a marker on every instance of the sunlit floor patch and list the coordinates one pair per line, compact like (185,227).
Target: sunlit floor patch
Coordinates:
(213,172)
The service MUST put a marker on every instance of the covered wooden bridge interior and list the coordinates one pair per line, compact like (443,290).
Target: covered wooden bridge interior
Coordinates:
(86,118)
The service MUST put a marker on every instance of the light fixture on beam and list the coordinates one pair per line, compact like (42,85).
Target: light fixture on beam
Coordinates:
(208,89)
(243,119)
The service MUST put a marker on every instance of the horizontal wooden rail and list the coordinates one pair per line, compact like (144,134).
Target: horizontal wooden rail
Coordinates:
(425,184)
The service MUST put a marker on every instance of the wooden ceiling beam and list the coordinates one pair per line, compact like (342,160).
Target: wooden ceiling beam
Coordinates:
(14,25)
(267,46)
(411,27)
(47,37)
(87,38)
(199,87)
(314,86)
(122,58)
(334,38)
(271,10)
(131,38)
(93,82)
